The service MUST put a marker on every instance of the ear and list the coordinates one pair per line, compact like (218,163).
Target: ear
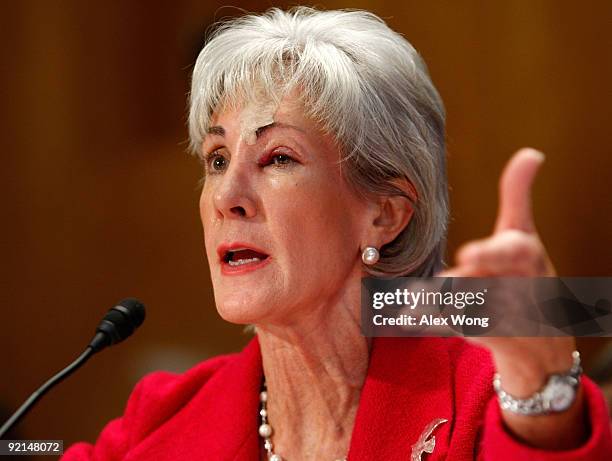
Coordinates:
(393,215)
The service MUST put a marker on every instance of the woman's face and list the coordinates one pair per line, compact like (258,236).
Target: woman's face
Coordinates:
(282,228)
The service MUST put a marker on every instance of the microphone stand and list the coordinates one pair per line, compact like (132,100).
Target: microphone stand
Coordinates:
(42,390)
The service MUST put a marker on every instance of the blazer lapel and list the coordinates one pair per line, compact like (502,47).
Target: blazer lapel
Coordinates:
(236,412)
(407,388)
(220,422)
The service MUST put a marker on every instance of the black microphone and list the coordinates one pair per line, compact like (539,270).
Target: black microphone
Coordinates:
(118,324)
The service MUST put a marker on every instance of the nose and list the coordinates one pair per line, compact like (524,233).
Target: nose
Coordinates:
(233,196)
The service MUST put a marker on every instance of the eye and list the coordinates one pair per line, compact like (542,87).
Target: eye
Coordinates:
(278,160)
(281,159)
(215,162)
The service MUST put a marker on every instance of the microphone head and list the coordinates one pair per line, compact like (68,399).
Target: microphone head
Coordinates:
(118,323)
(133,309)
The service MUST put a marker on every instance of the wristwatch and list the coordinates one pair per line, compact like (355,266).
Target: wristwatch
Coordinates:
(556,396)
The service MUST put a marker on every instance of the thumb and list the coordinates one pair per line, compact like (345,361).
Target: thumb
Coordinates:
(515,191)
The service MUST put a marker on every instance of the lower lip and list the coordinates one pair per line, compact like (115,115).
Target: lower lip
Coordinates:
(226,269)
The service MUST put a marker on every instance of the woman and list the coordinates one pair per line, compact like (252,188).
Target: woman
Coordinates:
(322,139)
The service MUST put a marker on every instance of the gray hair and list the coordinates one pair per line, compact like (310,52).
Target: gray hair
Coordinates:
(361,82)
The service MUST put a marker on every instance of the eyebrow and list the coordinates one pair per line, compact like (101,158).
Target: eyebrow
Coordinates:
(220,131)
(216,130)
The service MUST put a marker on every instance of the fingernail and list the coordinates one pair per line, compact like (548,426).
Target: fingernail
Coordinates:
(535,153)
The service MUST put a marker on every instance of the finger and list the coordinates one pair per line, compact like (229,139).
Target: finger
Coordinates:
(515,191)
(511,253)
(460,271)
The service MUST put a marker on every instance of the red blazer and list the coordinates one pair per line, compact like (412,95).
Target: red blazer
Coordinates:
(211,412)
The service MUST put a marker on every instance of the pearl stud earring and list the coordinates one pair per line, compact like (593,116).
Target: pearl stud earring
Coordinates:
(370,256)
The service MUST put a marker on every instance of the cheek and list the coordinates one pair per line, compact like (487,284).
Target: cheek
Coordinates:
(207,217)
(203,207)
(315,220)
(206,203)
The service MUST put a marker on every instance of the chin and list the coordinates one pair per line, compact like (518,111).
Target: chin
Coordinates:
(241,311)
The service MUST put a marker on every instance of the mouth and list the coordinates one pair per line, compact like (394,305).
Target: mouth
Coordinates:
(241,258)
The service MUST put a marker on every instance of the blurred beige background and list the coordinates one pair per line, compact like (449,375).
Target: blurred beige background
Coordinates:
(99,198)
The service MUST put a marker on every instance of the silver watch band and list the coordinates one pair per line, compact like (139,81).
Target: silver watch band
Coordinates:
(557,395)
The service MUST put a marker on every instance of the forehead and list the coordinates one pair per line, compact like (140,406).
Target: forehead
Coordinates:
(291,120)
(252,118)
(289,108)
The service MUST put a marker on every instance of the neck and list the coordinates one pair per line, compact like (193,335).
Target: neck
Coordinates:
(314,369)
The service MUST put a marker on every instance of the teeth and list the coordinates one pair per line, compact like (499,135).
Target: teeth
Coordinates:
(240,262)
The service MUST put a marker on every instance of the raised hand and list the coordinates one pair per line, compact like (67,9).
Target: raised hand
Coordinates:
(515,249)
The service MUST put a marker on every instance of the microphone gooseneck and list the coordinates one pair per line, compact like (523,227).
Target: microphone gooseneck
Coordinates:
(118,324)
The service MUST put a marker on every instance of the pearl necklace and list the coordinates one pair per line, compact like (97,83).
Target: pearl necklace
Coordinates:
(266,431)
